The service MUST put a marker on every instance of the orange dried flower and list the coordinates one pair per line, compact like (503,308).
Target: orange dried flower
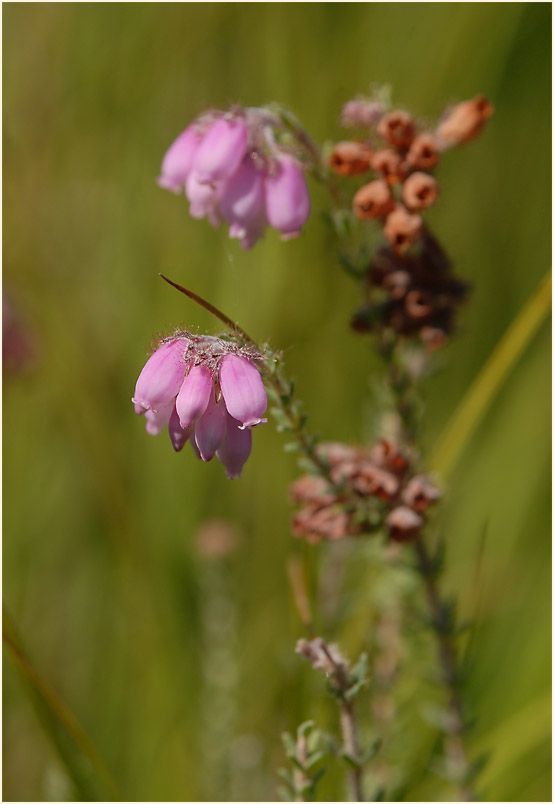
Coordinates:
(424,152)
(389,164)
(465,121)
(420,191)
(373,200)
(350,158)
(402,228)
(397,128)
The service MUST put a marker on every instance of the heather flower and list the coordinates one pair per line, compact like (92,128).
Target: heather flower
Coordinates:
(287,199)
(205,390)
(397,128)
(402,229)
(464,122)
(389,164)
(424,152)
(232,167)
(350,158)
(361,112)
(420,191)
(373,200)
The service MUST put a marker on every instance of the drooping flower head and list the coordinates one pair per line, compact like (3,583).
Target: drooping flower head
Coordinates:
(206,390)
(239,167)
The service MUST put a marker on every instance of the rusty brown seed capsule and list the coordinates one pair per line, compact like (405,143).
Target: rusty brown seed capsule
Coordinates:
(424,152)
(420,191)
(418,304)
(402,229)
(373,200)
(350,158)
(464,122)
(397,128)
(389,164)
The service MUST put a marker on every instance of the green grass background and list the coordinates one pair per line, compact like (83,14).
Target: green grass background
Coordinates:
(181,669)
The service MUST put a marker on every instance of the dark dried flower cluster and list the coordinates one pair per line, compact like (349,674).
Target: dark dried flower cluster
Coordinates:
(402,157)
(414,294)
(370,489)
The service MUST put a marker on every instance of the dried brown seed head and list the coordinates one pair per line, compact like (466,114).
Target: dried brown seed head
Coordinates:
(418,304)
(424,152)
(420,191)
(350,158)
(373,200)
(397,128)
(464,122)
(402,229)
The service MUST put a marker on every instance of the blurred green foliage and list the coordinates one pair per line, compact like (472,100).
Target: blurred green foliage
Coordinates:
(180,667)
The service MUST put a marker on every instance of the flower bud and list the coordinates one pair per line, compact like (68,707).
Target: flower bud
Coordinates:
(420,191)
(402,229)
(397,128)
(243,390)
(389,164)
(373,200)
(403,524)
(361,112)
(222,149)
(177,162)
(350,158)
(286,197)
(243,203)
(424,152)
(464,122)
(161,377)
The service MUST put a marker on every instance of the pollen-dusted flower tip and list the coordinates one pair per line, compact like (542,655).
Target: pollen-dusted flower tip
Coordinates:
(177,162)
(373,200)
(389,164)
(222,149)
(402,229)
(161,377)
(181,387)
(243,390)
(404,524)
(350,158)
(464,121)
(419,191)
(424,152)
(287,198)
(243,203)
(397,128)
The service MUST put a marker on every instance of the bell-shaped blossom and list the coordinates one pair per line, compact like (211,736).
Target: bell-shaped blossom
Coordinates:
(243,390)
(243,203)
(192,399)
(210,428)
(204,199)
(207,391)
(161,377)
(286,197)
(178,160)
(235,448)
(222,149)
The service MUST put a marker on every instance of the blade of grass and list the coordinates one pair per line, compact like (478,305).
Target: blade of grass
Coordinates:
(79,755)
(480,395)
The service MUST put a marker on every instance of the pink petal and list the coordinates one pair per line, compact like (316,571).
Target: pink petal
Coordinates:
(210,428)
(243,390)
(221,150)
(194,395)
(177,162)
(286,197)
(178,436)
(162,376)
(235,448)
(156,420)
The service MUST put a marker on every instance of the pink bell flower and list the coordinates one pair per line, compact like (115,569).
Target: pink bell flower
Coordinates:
(161,377)
(192,399)
(235,448)
(157,420)
(287,199)
(209,431)
(243,390)
(178,160)
(177,435)
(243,203)
(222,150)
(204,199)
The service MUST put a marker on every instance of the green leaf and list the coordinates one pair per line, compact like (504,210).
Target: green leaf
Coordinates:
(289,743)
(350,760)
(314,759)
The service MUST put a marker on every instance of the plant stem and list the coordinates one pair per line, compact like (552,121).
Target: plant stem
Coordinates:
(350,744)
(456,756)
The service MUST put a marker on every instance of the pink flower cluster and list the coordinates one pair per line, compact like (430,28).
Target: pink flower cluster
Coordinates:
(231,168)
(207,391)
